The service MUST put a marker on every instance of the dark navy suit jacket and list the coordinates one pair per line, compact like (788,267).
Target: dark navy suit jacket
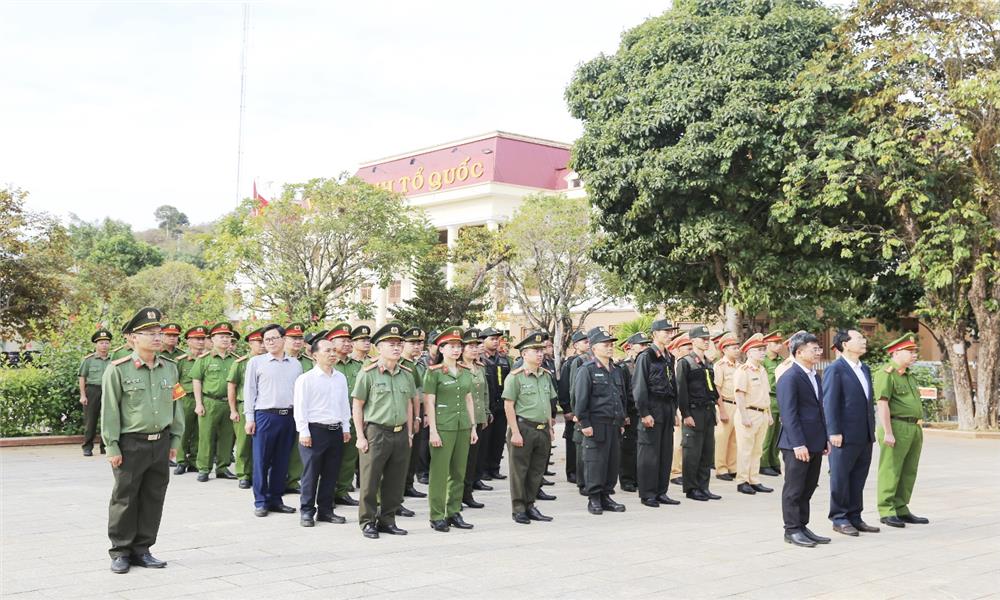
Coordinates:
(802,420)
(849,410)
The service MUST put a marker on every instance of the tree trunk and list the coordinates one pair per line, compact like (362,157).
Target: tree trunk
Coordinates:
(954,345)
(987,367)
(733,321)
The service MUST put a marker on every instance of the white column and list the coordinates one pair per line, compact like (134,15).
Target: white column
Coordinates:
(381,302)
(452,242)
(492,225)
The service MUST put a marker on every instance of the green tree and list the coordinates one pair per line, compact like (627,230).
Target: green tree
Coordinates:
(435,304)
(182,291)
(307,253)
(171,220)
(896,130)
(682,153)
(111,244)
(33,257)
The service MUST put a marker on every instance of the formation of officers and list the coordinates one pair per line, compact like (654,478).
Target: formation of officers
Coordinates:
(312,414)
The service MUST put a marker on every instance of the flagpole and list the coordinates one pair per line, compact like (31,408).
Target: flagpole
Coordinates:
(243,94)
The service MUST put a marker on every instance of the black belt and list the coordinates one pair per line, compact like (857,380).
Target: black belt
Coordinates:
(763,410)
(533,424)
(333,427)
(96,385)
(148,437)
(729,401)
(913,420)
(214,398)
(392,428)
(277,411)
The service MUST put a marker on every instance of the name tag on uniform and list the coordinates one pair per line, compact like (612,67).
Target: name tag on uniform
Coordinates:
(599,375)
(452,382)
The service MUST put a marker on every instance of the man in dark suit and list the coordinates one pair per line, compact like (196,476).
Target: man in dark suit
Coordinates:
(803,438)
(850,423)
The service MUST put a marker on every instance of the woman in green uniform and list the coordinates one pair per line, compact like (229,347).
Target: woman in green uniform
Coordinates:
(471,353)
(450,413)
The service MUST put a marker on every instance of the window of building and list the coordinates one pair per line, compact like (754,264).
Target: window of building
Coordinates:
(366,293)
(395,292)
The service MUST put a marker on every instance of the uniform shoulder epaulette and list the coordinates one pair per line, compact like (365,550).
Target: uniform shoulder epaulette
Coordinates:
(243,358)
(888,368)
(370,366)
(204,354)
(117,349)
(89,355)
(516,371)
(165,357)
(404,367)
(435,367)
(121,360)
(544,370)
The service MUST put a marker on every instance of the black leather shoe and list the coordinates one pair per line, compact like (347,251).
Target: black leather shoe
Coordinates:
(456,520)
(487,477)
(650,502)
(594,506)
(260,512)
(404,512)
(224,474)
(677,481)
(88,452)
(726,477)
(180,470)
(282,508)
(331,518)
(307,521)
(697,495)
(760,487)
(440,525)
(245,484)
(202,477)
(170,463)
(120,564)
(711,496)
(370,531)
(146,560)
(746,488)
(547,482)
(549,473)
(391,529)
(847,529)
(479,486)
(571,477)
(629,487)
(535,515)
(814,536)
(665,499)
(471,502)
(771,471)
(497,475)
(893,521)
(345,501)
(543,495)
(412,492)
(608,504)
(799,539)
(422,479)
(522,518)
(866,528)
(292,490)
(914,519)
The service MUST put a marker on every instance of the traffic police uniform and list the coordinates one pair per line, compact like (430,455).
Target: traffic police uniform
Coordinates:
(141,421)
(215,428)
(696,396)
(753,383)
(724,371)
(92,372)
(531,396)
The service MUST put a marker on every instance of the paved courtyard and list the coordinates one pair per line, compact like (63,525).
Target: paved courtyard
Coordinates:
(54,544)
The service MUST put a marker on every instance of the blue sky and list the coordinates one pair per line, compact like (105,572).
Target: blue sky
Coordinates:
(114,108)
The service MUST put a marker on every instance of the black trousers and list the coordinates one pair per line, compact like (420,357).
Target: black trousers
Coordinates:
(629,459)
(581,467)
(320,469)
(137,498)
(91,416)
(601,457)
(420,447)
(801,479)
(849,467)
(496,441)
(699,448)
(655,454)
(472,465)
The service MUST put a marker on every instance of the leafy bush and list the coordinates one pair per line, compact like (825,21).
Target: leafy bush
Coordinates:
(36,400)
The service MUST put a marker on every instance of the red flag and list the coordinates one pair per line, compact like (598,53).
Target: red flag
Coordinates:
(261,201)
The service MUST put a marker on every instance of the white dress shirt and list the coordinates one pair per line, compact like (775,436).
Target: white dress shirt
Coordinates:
(321,398)
(856,367)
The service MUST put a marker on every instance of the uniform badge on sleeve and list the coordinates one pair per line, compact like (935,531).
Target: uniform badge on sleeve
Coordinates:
(178,392)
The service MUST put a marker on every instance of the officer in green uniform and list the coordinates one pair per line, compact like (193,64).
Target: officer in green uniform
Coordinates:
(413,343)
(770,462)
(471,353)
(341,336)
(125,349)
(195,338)
(383,417)
(142,422)
(171,337)
(243,450)
(633,346)
(899,433)
(450,412)
(215,429)
(294,346)
(528,394)
(91,372)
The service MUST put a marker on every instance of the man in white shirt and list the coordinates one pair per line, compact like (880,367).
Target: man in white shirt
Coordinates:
(322,418)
